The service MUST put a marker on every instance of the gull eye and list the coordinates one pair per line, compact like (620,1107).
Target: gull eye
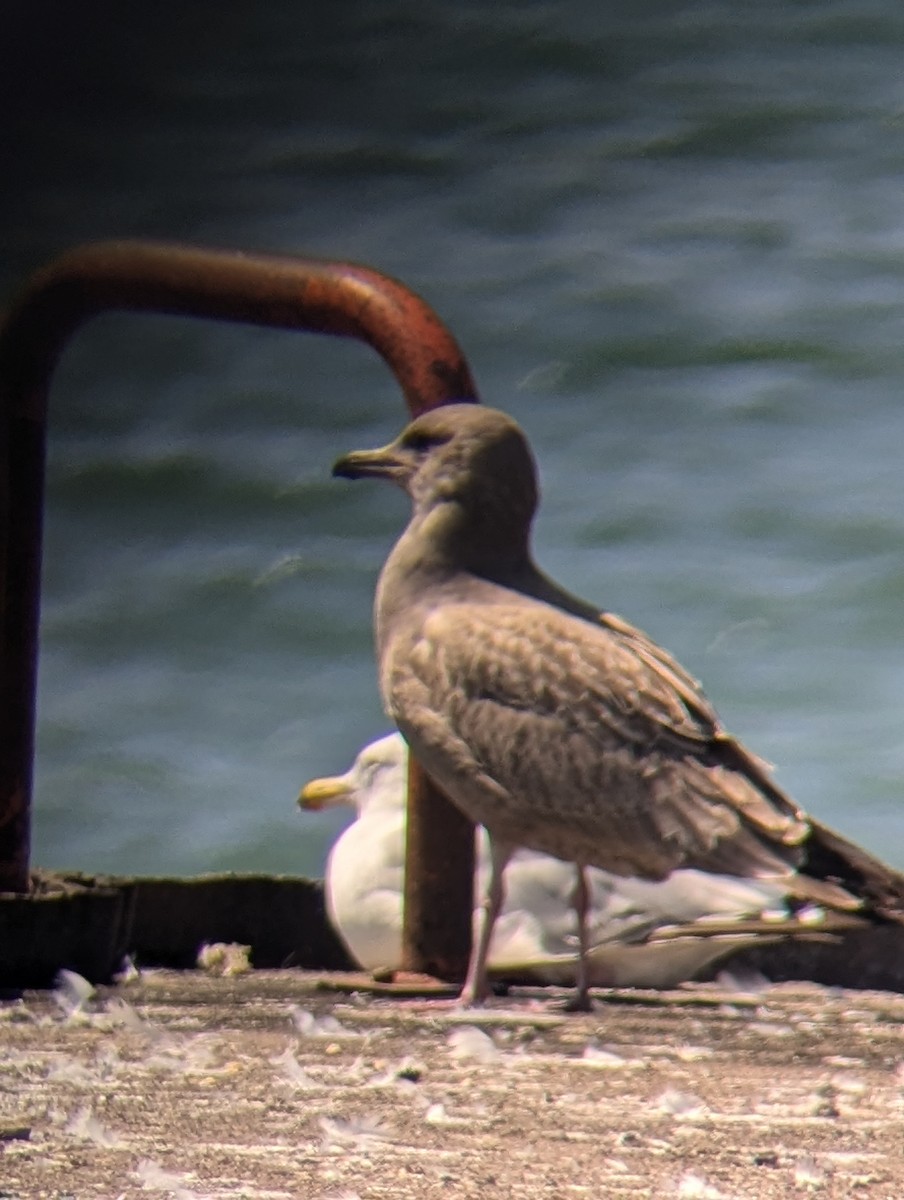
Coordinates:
(419,440)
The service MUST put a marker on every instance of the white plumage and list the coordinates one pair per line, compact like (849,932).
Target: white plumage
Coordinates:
(642,934)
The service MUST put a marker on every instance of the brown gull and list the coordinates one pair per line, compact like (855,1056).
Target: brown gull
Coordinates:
(554,725)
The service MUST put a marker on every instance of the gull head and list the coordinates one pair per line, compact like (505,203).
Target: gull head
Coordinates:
(474,456)
(472,480)
(376,779)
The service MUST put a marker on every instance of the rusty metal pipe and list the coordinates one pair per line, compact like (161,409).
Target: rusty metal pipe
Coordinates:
(289,293)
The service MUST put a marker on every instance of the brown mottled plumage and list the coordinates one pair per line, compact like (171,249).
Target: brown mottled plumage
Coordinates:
(558,727)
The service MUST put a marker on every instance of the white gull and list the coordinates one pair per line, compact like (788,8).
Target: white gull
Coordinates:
(642,934)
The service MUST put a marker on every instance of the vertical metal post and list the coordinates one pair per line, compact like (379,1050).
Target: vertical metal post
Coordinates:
(441,888)
(303,294)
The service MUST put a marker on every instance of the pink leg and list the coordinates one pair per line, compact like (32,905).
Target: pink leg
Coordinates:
(581,1001)
(477,987)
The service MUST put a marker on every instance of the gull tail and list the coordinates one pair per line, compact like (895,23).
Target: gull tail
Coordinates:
(832,858)
(675,954)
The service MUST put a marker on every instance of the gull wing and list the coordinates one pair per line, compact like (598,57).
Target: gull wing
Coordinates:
(577,739)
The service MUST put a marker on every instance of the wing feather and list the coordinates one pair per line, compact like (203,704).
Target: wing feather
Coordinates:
(621,756)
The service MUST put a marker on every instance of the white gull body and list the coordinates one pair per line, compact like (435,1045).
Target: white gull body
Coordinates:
(643,934)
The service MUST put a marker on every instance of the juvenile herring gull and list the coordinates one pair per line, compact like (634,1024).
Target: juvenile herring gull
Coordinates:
(558,727)
(641,933)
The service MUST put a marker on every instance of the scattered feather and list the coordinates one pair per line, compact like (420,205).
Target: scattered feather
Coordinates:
(72,992)
(692,1186)
(693,1053)
(190,1055)
(85,1126)
(312,1026)
(132,1021)
(850,1084)
(166,1052)
(127,973)
(360,1132)
(69,1070)
(596,1056)
(808,1173)
(436,1115)
(470,1042)
(680,1104)
(770,1029)
(292,1070)
(153,1178)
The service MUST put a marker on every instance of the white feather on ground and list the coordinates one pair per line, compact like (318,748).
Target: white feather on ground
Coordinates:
(643,934)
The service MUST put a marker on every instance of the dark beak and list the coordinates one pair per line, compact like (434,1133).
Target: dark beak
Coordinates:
(384,463)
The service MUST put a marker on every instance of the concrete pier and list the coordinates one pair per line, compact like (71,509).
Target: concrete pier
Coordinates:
(287,1084)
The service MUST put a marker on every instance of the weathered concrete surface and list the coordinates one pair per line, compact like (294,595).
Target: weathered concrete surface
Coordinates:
(190,1086)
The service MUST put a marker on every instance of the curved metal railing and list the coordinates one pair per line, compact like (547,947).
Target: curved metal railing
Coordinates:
(337,298)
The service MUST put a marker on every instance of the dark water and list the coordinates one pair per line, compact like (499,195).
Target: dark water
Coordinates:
(670,238)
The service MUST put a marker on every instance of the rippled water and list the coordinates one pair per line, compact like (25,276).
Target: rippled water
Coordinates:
(670,238)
